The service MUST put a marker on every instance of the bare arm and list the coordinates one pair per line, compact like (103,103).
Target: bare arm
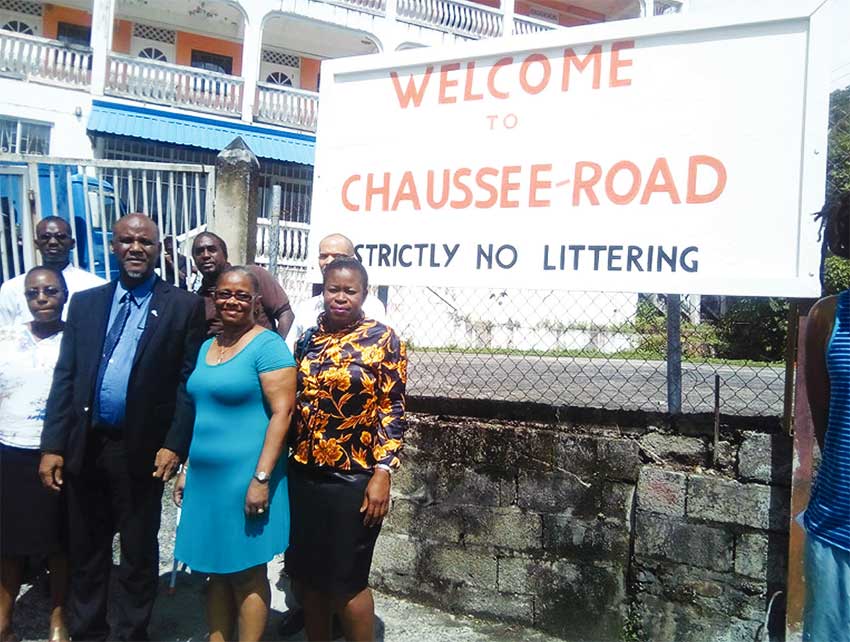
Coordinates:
(279,392)
(818,332)
(284,322)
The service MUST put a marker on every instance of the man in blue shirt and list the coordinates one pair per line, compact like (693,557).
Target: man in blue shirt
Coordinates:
(118,423)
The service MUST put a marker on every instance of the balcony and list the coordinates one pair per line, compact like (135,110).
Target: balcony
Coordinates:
(173,85)
(331,28)
(279,105)
(464,19)
(42,60)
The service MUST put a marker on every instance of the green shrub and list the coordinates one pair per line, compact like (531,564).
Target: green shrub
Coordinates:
(836,275)
(698,341)
(651,327)
(754,328)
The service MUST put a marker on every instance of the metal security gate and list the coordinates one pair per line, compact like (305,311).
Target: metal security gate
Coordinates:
(92,195)
(16,251)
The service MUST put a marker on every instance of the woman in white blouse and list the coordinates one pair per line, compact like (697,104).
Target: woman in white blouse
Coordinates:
(31,517)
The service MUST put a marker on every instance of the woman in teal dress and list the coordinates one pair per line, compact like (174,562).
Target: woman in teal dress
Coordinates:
(234,496)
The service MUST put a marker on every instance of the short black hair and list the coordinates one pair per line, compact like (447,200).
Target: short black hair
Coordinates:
(242,269)
(212,235)
(347,263)
(58,274)
(55,219)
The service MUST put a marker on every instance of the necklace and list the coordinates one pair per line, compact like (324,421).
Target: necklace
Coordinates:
(222,349)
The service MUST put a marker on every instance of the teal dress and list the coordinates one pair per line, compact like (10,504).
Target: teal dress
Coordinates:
(231,417)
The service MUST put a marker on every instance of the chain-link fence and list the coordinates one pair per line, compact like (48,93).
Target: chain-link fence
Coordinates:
(600,350)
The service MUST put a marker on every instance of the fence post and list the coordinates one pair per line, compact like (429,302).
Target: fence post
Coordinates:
(674,354)
(274,230)
(235,209)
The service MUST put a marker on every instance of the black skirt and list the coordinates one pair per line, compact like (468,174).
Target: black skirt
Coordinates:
(330,550)
(32,518)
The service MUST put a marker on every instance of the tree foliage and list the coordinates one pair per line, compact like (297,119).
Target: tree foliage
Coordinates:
(838,146)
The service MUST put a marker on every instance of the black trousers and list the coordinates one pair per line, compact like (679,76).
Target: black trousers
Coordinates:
(102,500)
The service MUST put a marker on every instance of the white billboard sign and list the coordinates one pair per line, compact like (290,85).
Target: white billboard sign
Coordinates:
(680,154)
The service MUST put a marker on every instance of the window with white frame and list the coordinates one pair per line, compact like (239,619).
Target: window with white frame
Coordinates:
(21,17)
(24,137)
(18,26)
(280,68)
(153,42)
(153,53)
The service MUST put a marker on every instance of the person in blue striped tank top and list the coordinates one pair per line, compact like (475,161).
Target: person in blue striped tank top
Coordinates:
(827,517)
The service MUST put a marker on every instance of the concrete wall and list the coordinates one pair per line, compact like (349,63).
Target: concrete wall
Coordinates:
(55,106)
(592,531)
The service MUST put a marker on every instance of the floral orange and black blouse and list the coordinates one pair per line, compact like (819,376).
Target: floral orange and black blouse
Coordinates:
(349,411)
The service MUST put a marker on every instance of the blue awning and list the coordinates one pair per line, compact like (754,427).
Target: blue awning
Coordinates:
(198,131)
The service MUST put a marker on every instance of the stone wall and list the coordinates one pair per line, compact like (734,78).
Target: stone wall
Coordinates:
(592,531)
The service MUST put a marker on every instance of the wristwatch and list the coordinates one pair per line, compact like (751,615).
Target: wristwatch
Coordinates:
(262,476)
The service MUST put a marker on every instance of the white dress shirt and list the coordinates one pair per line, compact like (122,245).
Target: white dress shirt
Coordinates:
(26,372)
(13,303)
(307,312)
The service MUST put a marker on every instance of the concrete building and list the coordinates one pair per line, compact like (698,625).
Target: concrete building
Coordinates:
(176,80)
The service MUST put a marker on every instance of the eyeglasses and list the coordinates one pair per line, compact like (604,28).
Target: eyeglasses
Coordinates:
(33,293)
(224,295)
(60,236)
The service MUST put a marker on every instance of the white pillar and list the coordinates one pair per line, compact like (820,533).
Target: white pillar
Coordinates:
(252,51)
(102,21)
(507,7)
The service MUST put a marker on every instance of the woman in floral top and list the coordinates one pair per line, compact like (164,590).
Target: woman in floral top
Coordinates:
(348,435)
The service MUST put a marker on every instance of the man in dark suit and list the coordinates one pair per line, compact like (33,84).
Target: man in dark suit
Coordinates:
(118,424)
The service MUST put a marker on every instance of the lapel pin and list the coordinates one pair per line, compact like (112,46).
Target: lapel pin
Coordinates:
(155,313)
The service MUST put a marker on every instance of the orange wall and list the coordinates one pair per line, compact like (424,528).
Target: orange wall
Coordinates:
(310,69)
(121,35)
(186,42)
(53,15)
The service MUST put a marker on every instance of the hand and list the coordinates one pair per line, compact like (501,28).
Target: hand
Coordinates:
(177,491)
(165,464)
(50,470)
(376,499)
(256,499)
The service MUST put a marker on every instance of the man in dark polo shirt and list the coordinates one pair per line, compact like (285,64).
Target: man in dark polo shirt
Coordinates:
(210,254)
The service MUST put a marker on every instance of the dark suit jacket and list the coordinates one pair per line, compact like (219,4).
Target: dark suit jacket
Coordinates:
(159,414)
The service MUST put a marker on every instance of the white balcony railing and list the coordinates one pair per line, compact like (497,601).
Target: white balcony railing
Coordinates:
(176,85)
(376,7)
(292,243)
(287,106)
(455,16)
(44,60)
(526,24)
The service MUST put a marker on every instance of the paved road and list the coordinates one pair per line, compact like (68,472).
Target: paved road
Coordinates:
(611,384)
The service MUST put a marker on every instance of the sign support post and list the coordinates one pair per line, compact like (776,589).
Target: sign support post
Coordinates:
(674,354)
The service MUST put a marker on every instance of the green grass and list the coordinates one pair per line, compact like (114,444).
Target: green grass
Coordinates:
(594,354)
